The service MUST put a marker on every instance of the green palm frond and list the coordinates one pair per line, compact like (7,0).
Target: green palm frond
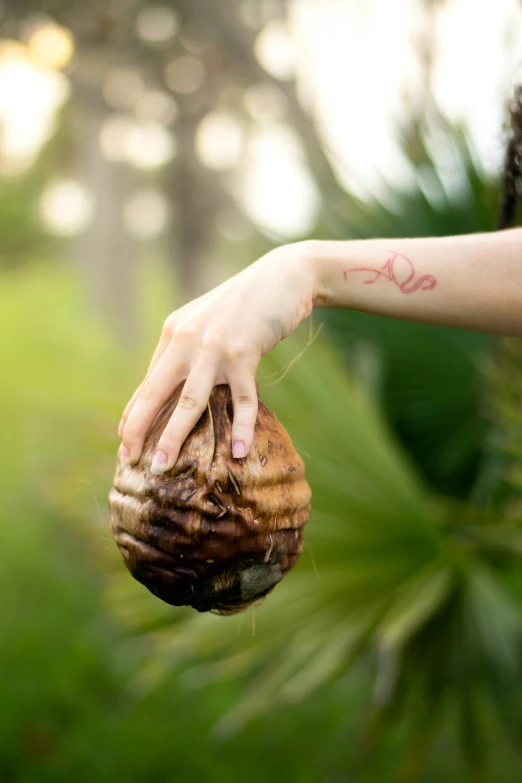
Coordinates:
(427,379)
(418,587)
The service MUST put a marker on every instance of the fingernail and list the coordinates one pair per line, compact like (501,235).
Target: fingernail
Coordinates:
(159,463)
(121,425)
(125,456)
(238,449)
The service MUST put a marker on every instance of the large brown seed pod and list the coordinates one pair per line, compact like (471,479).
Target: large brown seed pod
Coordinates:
(215,533)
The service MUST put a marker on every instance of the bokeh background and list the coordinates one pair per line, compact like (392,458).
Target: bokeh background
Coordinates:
(149,150)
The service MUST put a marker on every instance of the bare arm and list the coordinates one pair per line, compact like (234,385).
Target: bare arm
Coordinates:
(471,282)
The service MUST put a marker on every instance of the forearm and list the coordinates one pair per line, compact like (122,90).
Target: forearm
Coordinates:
(472,281)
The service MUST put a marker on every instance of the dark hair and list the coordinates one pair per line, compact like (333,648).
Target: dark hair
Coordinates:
(512,174)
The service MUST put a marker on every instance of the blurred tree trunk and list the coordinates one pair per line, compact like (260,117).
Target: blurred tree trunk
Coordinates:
(195,207)
(104,253)
(197,195)
(106,34)
(238,42)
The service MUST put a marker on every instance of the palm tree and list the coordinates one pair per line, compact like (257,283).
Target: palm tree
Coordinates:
(410,568)
(421,587)
(411,564)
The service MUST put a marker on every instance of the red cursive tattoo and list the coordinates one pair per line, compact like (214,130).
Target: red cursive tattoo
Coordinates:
(398,268)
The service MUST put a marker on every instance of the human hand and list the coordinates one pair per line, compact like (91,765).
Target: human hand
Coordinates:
(219,338)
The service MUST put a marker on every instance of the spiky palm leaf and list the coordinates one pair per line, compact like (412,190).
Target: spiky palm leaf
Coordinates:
(427,379)
(390,574)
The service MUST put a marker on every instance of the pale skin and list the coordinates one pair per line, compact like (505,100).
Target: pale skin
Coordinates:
(469,282)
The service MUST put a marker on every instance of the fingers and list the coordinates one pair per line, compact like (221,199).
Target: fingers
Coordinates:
(164,342)
(169,366)
(154,392)
(128,408)
(191,404)
(244,400)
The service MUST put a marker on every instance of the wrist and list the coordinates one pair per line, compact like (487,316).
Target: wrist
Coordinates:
(331,260)
(296,267)
(322,259)
(306,258)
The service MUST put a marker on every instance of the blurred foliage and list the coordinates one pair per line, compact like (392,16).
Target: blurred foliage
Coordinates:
(24,234)
(392,652)
(427,379)
(407,581)
(406,603)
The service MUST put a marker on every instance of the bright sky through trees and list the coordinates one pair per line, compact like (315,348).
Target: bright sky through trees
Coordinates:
(356,61)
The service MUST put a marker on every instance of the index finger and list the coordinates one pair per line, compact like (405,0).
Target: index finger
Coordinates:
(191,404)
(161,347)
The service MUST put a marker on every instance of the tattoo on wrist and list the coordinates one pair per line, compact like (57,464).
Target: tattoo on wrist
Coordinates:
(399,270)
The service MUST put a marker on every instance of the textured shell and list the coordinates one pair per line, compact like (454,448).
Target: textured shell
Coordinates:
(215,533)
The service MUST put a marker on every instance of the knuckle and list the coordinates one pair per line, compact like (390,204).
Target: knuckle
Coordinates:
(131,435)
(169,324)
(185,333)
(238,351)
(188,402)
(168,441)
(146,390)
(212,342)
(244,401)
